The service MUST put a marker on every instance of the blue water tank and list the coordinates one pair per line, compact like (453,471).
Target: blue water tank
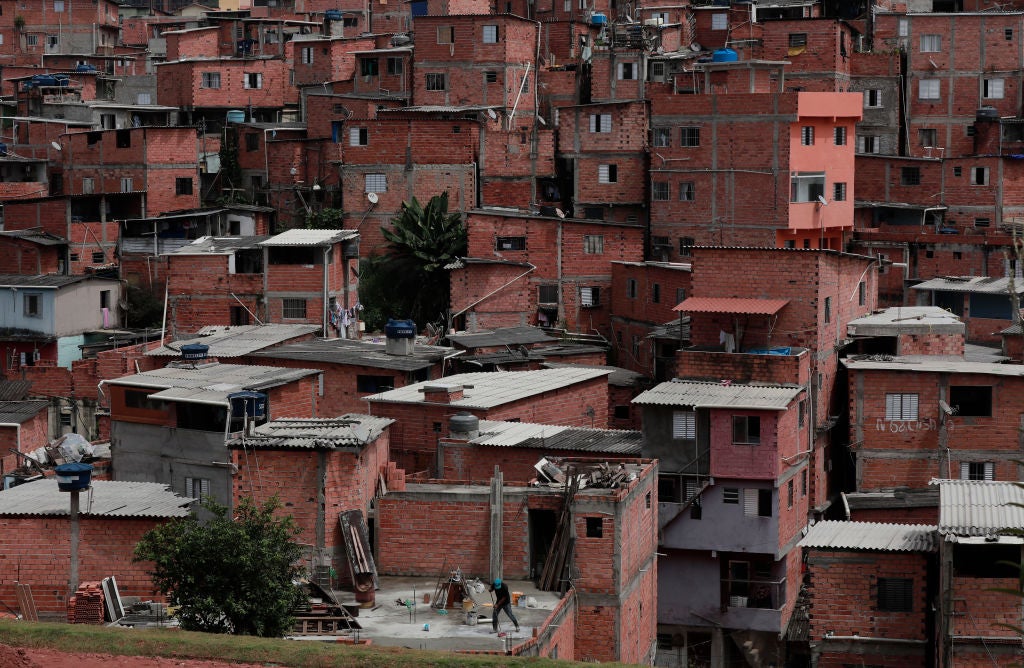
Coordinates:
(724,56)
(3,149)
(85,67)
(333,15)
(236,116)
(400,329)
(248,404)
(598,19)
(194,351)
(73,477)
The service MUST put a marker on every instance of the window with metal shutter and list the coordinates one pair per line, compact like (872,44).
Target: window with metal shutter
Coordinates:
(684,425)
(901,407)
(750,502)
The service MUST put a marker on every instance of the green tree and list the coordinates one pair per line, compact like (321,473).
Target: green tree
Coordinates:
(422,240)
(325,219)
(145,309)
(228,575)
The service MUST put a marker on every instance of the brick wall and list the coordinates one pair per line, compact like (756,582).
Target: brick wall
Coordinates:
(33,434)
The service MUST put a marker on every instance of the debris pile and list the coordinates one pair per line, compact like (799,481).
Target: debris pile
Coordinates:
(86,606)
(555,473)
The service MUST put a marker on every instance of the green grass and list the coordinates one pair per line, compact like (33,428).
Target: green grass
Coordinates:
(187,645)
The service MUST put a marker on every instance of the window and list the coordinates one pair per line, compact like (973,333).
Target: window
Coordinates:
(183,185)
(896,594)
(595,527)
(239,316)
(993,89)
(686,191)
(547,294)
(979,176)
(969,131)
(58,5)
(867,144)
(197,488)
(689,137)
(927,136)
(839,136)
(621,412)
(789,493)
(607,173)
(373,384)
(686,245)
(368,67)
(797,39)
(807,135)
(931,43)
(656,293)
(982,222)
(1008,33)
(803,483)
(627,70)
(31,304)
(376,183)
(600,122)
(593,244)
(124,139)
(746,429)
(437,81)
(491,77)
(662,137)
(252,80)
(88,185)
(590,297)
(839,192)
(901,406)
(350,22)
(660,191)
(510,244)
(293,308)
(971,400)
(873,98)
(252,141)
(143,98)
(210,80)
(977,471)
(358,137)
(828,309)
(910,176)
(807,186)
(958,171)
(490,34)
(631,288)
(98,257)
(52,41)
(395,66)
(719,21)
(757,502)
(31,40)
(126,184)
(306,55)
(680,295)
(903,27)
(929,89)
(731,495)
(445,34)
(104,294)
(862,293)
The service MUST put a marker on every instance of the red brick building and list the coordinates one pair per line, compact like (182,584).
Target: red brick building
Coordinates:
(24,428)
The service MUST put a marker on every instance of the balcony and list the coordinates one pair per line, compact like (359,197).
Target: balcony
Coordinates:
(755,605)
(776,365)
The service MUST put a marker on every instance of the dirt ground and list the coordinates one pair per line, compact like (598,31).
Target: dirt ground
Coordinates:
(17,657)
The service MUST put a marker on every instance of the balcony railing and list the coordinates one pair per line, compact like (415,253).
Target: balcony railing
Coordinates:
(763,594)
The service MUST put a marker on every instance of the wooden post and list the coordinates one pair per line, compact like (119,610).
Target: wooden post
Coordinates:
(497,514)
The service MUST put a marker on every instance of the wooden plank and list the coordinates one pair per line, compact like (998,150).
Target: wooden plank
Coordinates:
(26,602)
(357,545)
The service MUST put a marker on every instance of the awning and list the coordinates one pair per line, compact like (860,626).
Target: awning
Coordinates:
(731,305)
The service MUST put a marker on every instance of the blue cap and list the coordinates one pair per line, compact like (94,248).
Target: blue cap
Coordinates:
(497,582)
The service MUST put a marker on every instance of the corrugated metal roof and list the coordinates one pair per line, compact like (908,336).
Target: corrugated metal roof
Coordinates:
(906,320)
(983,284)
(348,431)
(16,412)
(719,395)
(356,352)
(495,388)
(932,364)
(220,245)
(221,378)
(36,237)
(979,507)
(872,536)
(106,498)
(551,437)
(14,390)
(39,281)
(303,237)
(731,305)
(237,340)
(507,336)
(619,377)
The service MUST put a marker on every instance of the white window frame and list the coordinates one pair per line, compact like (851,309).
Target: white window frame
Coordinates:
(979,176)
(490,34)
(593,244)
(863,142)
(993,89)
(431,80)
(903,27)
(931,43)
(807,135)
(88,185)
(590,296)
(684,425)
(988,471)
(306,55)
(600,122)
(802,186)
(720,21)
(901,406)
(608,173)
(210,80)
(127,184)
(873,98)
(144,98)
(250,78)
(358,137)
(197,488)
(375,182)
(839,135)
(626,71)
(929,89)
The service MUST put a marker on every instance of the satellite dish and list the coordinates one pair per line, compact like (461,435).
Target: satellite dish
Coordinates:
(55,145)
(822,200)
(561,214)
(372,197)
(494,116)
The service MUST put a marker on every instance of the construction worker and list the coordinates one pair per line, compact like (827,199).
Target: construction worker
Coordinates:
(503,601)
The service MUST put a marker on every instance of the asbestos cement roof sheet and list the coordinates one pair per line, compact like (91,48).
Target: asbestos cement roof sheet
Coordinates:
(731,305)
(983,284)
(552,437)
(215,377)
(979,507)
(618,376)
(931,364)
(106,498)
(872,536)
(236,340)
(36,237)
(508,336)
(906,320)
(220,245)
(16,412)
(348,431)
(719,395)
(303,237)
(14,390)
(39,281)
(356,352)
(496,388)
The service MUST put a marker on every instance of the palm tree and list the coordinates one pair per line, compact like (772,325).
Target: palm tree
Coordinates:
(421,242)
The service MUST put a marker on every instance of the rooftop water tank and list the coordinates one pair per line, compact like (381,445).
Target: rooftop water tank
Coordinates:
(598,19)
(194,351)
(236,116)
(248,404)
(73,477)
(724,56)
(333,15)
(464,426)
(401,337)
(987,113)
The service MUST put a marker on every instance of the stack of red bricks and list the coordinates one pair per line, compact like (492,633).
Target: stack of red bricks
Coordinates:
(86,606)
